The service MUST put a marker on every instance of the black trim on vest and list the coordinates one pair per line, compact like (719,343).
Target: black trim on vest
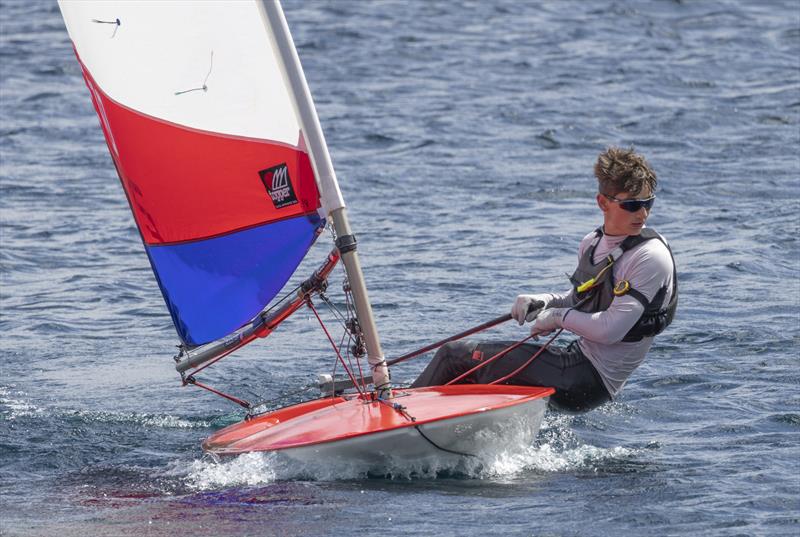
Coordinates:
(640,297)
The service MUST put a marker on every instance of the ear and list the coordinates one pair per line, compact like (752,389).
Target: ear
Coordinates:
(602,202)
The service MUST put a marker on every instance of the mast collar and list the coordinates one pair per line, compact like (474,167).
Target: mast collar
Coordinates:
(346,243)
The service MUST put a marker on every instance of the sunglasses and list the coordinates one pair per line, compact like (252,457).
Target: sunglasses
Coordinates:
(633,205)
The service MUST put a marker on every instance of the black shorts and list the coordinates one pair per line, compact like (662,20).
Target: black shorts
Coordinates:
(578,385)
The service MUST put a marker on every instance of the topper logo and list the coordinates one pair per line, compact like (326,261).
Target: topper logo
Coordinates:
(279,185)
(280,178)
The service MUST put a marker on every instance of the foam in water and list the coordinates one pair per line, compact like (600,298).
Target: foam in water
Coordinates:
(557,449)
(149,420)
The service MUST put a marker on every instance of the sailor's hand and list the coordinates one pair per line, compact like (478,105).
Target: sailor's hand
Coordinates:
(527,307)
(547,321)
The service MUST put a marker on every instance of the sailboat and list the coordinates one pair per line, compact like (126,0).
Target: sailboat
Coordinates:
(211,126)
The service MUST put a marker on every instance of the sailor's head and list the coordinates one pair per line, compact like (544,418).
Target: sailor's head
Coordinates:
(626,187)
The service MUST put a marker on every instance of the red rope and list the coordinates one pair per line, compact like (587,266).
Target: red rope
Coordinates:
(531,359)
(236,400)
(490,360)
(335,348)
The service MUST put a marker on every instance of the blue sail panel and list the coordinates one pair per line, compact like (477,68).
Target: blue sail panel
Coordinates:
(214,286)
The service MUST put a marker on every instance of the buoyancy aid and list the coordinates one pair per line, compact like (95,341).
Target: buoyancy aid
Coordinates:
(600,293)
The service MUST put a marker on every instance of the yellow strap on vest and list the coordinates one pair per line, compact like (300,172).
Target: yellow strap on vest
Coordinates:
(591,282)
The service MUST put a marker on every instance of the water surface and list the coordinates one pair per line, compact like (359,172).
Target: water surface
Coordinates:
(463,134)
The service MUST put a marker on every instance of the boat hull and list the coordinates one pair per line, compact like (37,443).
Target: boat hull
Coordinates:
(435,423)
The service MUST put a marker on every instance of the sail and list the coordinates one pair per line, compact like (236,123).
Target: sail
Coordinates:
(208,147)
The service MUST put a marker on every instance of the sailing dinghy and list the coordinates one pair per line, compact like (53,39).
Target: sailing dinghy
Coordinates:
(215,138)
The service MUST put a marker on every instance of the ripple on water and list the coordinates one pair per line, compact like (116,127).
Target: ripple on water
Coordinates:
(464,136)
(788,419)
(15,406)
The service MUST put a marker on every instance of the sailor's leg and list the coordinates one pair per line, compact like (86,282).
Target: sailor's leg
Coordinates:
(577,383)
(451,360)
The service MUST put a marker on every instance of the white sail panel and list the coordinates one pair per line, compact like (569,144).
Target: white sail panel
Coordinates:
(163,48)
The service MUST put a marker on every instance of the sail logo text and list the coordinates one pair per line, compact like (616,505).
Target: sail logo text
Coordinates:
(279,186)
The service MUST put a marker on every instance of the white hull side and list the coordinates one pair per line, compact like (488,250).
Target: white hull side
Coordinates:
(478,434)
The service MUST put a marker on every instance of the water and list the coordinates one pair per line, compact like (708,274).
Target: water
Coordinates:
(463,134)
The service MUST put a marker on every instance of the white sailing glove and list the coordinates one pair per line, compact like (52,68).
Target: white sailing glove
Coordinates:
(527,307)
(547,321)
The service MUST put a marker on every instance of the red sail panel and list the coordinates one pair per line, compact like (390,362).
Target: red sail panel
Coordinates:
(184,184)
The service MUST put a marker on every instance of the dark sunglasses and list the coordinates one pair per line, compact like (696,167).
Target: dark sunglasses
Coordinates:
(633,205)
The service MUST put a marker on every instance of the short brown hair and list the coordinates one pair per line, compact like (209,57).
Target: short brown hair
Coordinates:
(623,170)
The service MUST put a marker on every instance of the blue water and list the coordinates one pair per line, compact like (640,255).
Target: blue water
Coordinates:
(463,134)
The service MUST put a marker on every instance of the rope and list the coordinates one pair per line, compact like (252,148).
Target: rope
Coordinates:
(544,347)
(397,407)
(531,359)
(437,446)
(241,402)
(338,354)
(355,335)
(282,397)
(490,360)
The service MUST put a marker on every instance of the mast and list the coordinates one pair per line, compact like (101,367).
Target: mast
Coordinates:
(331,196)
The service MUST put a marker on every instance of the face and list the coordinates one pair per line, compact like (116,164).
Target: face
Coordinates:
(618,221)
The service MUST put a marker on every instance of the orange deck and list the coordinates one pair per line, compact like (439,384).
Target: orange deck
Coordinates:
(339,418)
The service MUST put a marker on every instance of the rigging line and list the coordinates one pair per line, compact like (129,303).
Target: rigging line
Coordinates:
(204,87)
(349,356)
(360,371)
(528,362)
(350,362)
(286,296)
(346,348)
(437,446)
(355,338)
(283,396)
(397,407)
(345,334)
(241,402)
(338,354)
(335,363)
(490,360)
(544,347)
(361,374)
(332,307)
(347,321)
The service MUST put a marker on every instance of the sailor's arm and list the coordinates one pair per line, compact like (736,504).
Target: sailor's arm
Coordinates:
(608,326)
(527,307)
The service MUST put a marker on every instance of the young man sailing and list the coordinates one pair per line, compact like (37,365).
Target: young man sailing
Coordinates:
(624,292)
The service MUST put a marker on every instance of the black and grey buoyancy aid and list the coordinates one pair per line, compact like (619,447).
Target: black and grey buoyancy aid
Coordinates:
(656,316)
